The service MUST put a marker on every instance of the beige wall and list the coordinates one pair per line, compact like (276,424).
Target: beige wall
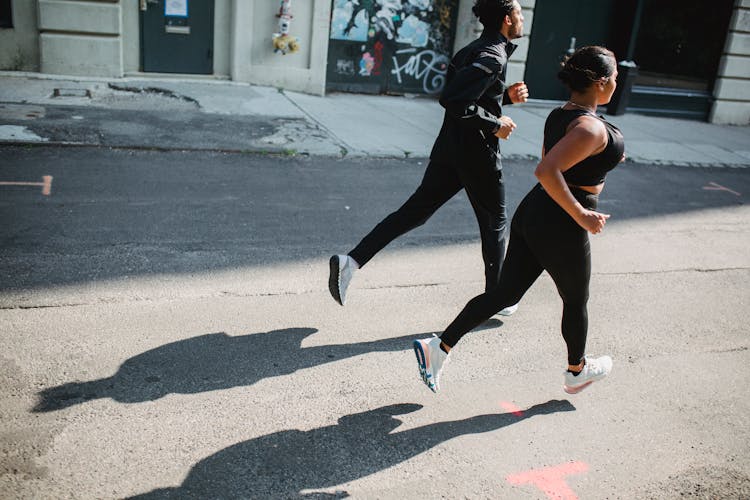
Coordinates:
(222,37)
(131,44)
(19,46)
(80,38)
(732,89)
(253,59)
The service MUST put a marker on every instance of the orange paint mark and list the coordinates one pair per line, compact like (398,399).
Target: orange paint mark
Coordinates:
(46,184)
(712,186)
(511,408)
(551,480)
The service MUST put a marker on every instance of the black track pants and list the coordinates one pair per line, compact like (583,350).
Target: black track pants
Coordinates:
(440,183)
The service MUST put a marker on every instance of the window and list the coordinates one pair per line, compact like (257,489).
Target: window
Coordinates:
(680,43)
(6,14)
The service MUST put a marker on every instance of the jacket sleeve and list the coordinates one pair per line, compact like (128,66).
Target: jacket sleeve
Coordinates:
(461,95)
(506,98)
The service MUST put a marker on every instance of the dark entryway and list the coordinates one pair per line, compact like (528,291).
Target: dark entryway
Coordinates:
(390,46)
(677,46)
(177,36)
(6,14)
(559,27)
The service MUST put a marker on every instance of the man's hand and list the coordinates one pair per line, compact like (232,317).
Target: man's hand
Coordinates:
(506,126)
(518,92)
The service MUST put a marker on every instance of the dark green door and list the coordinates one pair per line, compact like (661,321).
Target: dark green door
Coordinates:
(557,27)
(177,36)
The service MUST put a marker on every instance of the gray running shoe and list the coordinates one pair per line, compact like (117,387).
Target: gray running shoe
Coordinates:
(342,269)
(508,310)
(430,359)
(593,369)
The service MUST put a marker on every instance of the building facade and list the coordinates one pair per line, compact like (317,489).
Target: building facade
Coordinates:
(693,61)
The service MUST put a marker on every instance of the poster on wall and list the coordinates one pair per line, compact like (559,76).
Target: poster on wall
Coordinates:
(390,46)
(176,8)
(348,22)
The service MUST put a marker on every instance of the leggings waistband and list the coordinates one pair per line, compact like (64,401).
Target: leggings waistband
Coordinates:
(588,200)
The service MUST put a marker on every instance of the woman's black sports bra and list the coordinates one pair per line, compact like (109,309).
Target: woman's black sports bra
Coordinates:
(592,170)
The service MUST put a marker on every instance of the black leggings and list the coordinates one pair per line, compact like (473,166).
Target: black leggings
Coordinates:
(543,237)
(441,182)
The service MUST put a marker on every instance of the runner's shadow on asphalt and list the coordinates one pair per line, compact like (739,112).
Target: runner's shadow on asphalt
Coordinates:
(489,325)
(289,463)
(208,363)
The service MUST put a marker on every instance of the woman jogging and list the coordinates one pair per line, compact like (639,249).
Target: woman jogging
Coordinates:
(549,231)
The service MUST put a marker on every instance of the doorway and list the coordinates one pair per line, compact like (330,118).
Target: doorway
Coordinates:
(677,46)
(559,28)
(177,36)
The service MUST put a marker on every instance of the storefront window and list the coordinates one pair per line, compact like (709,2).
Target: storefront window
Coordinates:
(6,14)
(679,43)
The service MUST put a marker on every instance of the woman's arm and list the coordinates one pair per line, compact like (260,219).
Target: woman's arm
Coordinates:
(585,137)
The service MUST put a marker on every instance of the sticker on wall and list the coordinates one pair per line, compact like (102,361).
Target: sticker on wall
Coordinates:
(421,4)
(176,8)
(345,67)
(414,32)
(385,20)
(349,20)
(366,64)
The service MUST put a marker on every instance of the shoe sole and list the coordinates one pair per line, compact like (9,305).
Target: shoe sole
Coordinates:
(422,363)
(505,312)
(333,279)
(575,389)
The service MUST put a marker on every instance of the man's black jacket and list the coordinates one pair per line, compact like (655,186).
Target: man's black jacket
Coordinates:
(474,91)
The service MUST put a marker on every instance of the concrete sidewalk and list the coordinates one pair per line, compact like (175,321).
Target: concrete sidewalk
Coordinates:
(219,115)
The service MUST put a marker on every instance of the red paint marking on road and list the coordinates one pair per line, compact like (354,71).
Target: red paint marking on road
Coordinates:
(46,184)
(712,186)
(551,480)
(511,408)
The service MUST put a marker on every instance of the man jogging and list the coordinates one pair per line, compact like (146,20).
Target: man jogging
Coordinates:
(466,153)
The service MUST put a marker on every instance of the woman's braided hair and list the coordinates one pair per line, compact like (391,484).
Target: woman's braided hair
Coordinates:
(491,13)
(586,66)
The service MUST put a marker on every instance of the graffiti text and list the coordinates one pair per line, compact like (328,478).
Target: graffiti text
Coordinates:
(427,66)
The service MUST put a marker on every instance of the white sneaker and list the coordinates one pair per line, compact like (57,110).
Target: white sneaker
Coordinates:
(342,269)
(593,369)
(508,310)
(430,358)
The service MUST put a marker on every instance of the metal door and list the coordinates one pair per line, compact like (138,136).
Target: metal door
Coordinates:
(390,46)
(558,27)
(177,36)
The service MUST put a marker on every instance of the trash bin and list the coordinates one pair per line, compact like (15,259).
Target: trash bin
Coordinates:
(626,73)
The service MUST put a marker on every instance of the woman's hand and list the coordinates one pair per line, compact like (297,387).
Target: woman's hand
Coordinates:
(592,221)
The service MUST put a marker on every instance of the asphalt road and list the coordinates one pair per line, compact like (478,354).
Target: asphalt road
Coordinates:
(167,333)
